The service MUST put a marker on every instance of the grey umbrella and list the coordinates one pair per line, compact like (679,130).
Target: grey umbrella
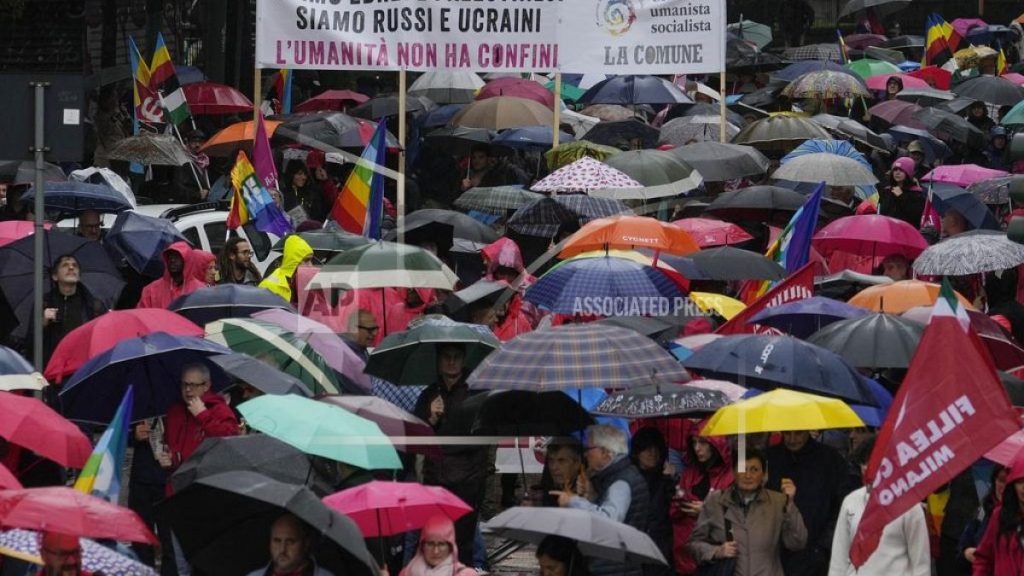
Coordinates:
(872,341)
(831,169)
(881,7)
(971,252)
(661,173)
(687,129)
(151,149)
(596,536)
(780,133)
(950,125)
(718,162)
(924,96)
(991,90)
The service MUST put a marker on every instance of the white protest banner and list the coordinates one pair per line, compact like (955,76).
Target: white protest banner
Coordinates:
(643,36)
(576,36)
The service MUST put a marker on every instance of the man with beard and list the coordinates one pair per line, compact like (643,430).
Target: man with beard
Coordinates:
(290,544)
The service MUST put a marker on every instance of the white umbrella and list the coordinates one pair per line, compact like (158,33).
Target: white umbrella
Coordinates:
(971,252)
(447,86)
(581,123)
(105,176)
(831,169)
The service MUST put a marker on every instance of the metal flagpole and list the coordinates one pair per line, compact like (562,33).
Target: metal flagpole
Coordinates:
(400,195)
(39,149)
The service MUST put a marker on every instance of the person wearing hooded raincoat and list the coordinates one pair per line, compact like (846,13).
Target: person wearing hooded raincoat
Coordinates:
(437,553)
(198,264)
(413,304)
(162,291)
(1000,552)
(708,469)
(296,252)
(504,263)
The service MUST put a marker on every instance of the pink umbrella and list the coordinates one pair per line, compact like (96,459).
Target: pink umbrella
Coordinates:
(878,82)
(12,230)
(962,175)
(1014,77)
(897,112)
(870,235)
(584,175)
(734,392)
(213,98)
(332,100)
(7,480)
(964,25)
(862,41)
(708,232)
(1005,453)
(519,88)
(388,508)
(324,340)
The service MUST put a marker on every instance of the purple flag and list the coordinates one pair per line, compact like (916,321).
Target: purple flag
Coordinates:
(262,157)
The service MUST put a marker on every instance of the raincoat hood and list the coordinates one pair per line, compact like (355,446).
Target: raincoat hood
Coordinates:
(718,443)
(183,250)
(437,528)
(295,251)
(197,263)
(505,253)
(1016,471)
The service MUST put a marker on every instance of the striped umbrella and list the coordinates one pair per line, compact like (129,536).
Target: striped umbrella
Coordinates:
(496,199)
(278,347)
(574,356)
(410,356)
(384,265)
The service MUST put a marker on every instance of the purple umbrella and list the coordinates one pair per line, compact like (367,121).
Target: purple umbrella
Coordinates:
(805,317)
(323,339)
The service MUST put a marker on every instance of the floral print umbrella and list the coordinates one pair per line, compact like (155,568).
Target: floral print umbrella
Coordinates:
(584,175)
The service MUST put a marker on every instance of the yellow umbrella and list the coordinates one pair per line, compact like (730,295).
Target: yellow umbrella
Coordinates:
(781,410)
(723,305)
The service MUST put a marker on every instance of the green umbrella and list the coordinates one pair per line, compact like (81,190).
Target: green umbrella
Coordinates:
(1014,116)
(495,199)
(565,154)
(662,174)
(321,429)
(410,356)
(569,92)
(868,67)
(384,265)
(760,34)
(277,347)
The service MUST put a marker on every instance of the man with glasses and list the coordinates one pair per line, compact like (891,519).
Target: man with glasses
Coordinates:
(362,331)
(90,225)
(236,265)
(201,414)
(61,555)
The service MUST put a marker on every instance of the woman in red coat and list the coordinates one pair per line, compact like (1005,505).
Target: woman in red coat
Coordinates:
(708,468)
(1000,552)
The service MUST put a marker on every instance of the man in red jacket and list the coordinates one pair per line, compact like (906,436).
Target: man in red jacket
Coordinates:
(201,414)
(62,555)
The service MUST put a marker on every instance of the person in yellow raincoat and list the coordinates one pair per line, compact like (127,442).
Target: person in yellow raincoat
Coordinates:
(296,253)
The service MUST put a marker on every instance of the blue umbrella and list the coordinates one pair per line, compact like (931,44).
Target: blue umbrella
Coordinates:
(16,373)
(530,137)
(837,147)
(946,196)
(226,301)
(933,147)
(142,239)
(78,197)
(605,286)
(874,416)
(908,66)
(639,89)
(798,69)
(802,318)
(440,116)
(152,363)
(769,362)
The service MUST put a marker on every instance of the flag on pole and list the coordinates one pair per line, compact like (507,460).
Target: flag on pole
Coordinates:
(797,286)
(262,157)
(360,204)
(282,87)
(929,216)
(842,47)
(141,95)
(163,79)
(101,475)
(251,202)
(1001,66)
(936,426)
(937,50)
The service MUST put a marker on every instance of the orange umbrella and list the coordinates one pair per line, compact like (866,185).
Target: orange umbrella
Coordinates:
(238,135)
(627,233)
(898,297)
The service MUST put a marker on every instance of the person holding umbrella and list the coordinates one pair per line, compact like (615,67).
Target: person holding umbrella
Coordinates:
(290,543)
(707,470)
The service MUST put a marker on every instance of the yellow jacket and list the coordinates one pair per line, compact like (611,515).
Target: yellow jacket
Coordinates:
(279,281)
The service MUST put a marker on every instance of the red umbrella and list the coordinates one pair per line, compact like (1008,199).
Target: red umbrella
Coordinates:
(212,98)
(68,511)
(12,230)
(519,88)
(102,333)
(1005,453)
(934,76)
(29,423)
(709,232)
(897,112)
(862,41)
(388,508)
(332,100)
(7,480)
(870,235)
(393,421)
(1006,353)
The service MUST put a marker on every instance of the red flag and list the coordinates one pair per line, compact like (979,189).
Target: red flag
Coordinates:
(797,286)
(950,410)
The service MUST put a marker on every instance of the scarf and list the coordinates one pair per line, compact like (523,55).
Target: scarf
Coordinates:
(418,567)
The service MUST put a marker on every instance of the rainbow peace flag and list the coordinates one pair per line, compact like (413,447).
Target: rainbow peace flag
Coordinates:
(252,203)
(360,204)
(102,473)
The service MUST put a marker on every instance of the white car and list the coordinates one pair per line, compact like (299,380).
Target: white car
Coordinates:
(203,225)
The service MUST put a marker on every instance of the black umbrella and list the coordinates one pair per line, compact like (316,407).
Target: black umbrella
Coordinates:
(518,413)
(141,240)
(223,524)
(458,140)
(662,400)
(756,203)
(872,341)
(950,125)
(728,263)
(623,133)
(327,243)
(661,329)
(260,375)
(17,267)
(634,89)
(480,291)
(226,301)
(464,226)
(1014,388)
(331,128)
(718,162)
(383,106)
(439,234)
(991,90)
(258,453)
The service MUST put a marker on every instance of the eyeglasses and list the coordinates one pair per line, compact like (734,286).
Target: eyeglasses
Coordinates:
(370,329)
(73,553)
(193,385)
(435,544)
(244,252)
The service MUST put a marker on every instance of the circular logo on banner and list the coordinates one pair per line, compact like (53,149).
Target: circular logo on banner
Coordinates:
(616,16)
(151,110)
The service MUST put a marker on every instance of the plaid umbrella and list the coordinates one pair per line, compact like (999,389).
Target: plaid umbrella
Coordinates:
(496,200)
(815,52)
(826,84)
(584,175)
(565,288)
(971,252)
(24,545)
(543,217)
(575,356)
